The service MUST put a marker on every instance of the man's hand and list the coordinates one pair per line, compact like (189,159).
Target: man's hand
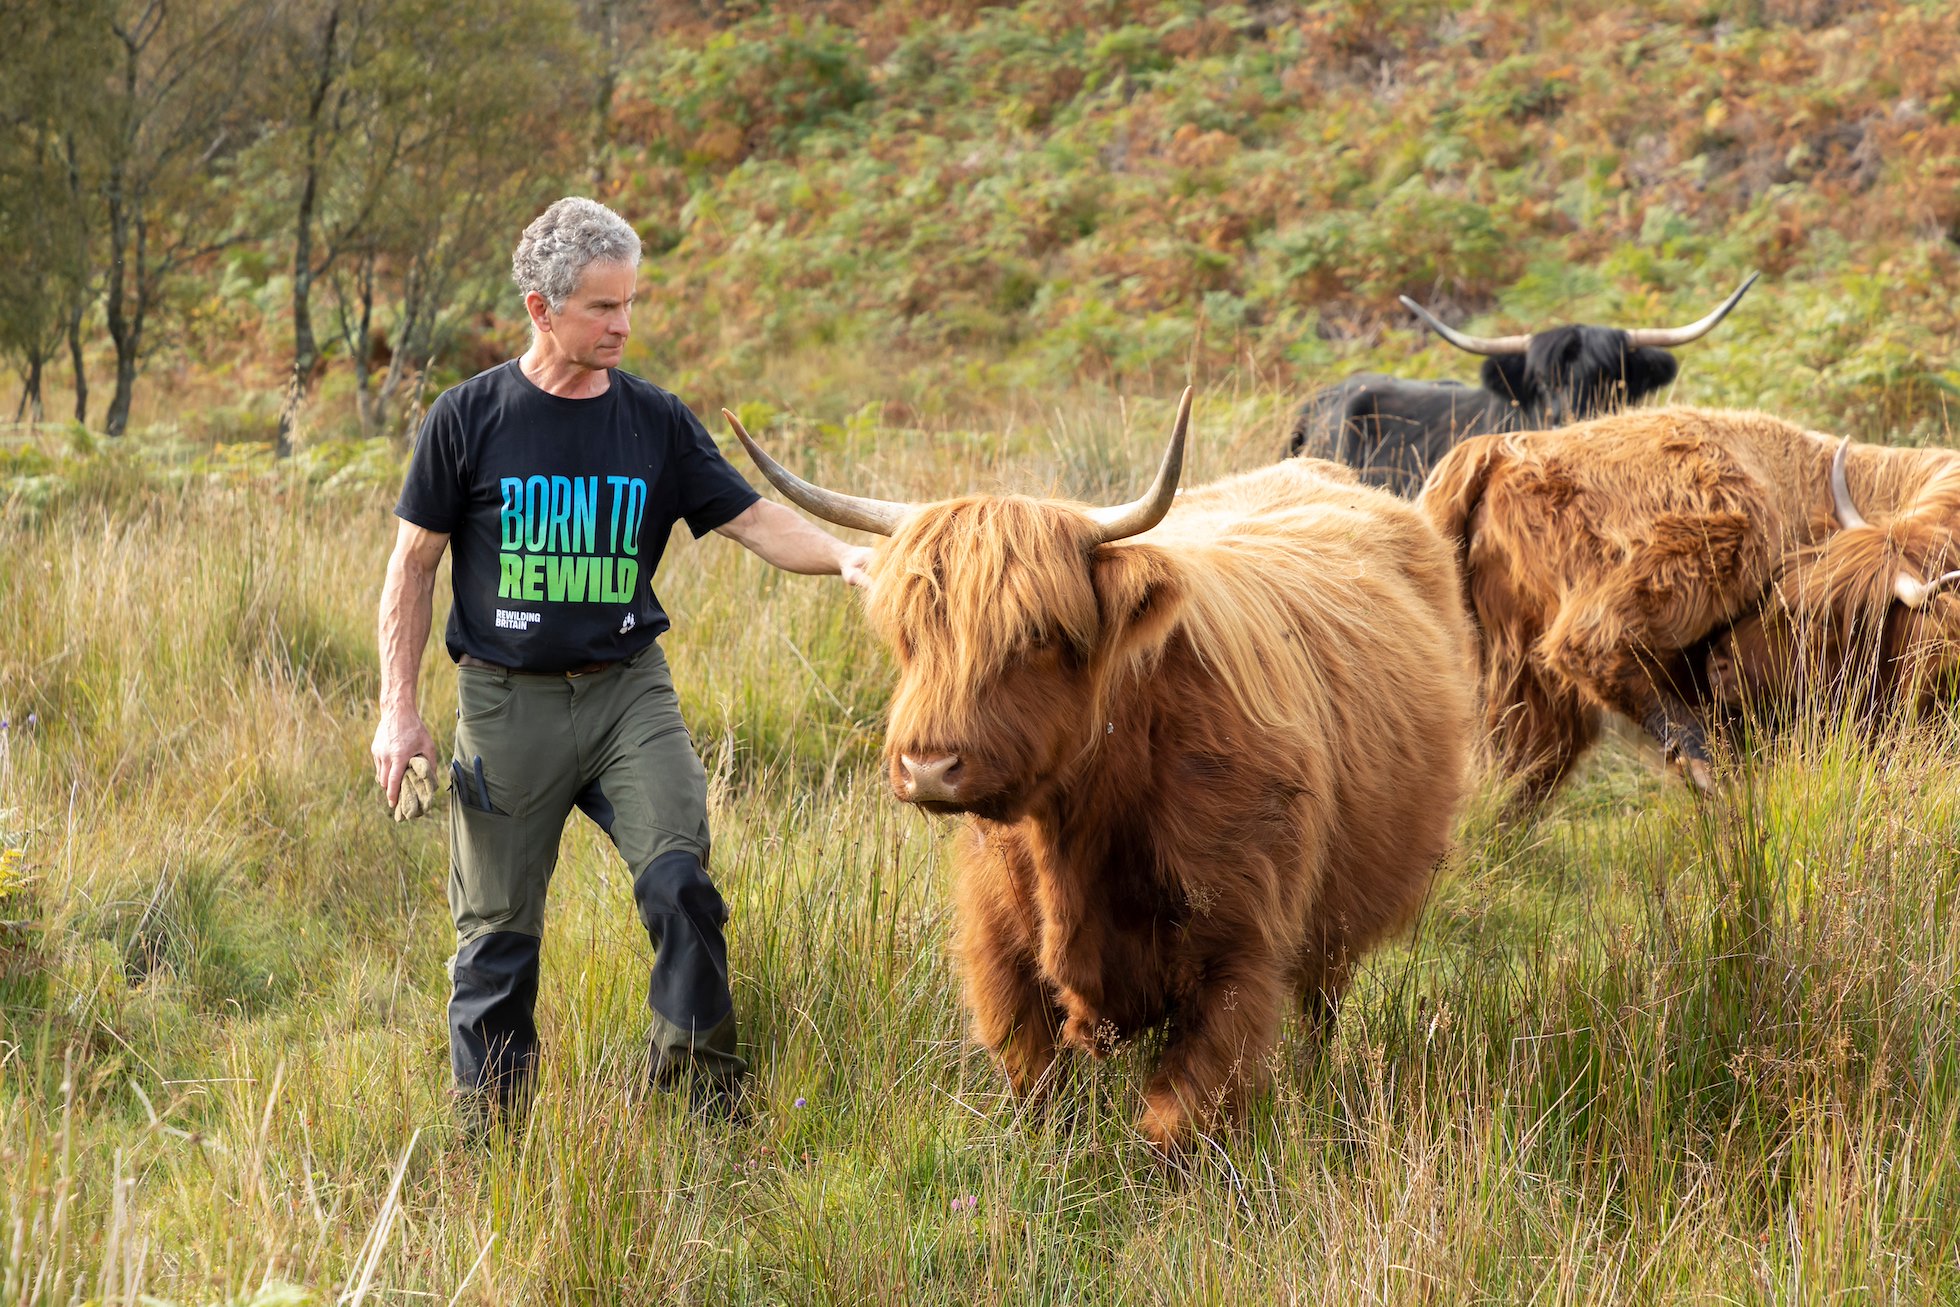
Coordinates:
(853,565)
(400,736)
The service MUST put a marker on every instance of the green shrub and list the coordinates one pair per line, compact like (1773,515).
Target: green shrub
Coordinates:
(758,88)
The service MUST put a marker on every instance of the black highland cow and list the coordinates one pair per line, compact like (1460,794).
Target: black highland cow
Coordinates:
(1393,431)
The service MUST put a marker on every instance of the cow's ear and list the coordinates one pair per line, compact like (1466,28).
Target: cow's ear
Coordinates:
(1139,594)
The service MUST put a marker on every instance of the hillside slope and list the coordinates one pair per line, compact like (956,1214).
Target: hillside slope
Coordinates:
(1030,195)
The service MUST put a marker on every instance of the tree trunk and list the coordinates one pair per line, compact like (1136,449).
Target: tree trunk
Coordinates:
(608,87)
(125,211)
(117,315)
(306,349)
(30,395)
(79,305)
(306,353)
(417,402)
(118,420)
(356,337)
(382,401)
(126,310)
(364,400)
(75,356)
(414,328)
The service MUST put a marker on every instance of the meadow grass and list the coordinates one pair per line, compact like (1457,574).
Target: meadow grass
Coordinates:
(1643,1048)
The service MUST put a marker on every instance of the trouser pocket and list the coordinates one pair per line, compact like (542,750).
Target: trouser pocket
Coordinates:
(470,786)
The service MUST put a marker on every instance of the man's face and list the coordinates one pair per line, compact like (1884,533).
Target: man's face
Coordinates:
(591,330)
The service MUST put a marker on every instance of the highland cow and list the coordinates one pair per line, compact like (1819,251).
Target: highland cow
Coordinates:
(1645,562)
(1853,624)
(1392,431)
(1183,734)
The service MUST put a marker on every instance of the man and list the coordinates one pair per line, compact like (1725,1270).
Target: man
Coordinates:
(556,479)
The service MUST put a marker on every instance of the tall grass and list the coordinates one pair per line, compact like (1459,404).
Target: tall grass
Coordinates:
(1643,1048)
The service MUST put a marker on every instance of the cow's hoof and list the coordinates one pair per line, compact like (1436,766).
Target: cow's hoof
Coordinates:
(1698,773)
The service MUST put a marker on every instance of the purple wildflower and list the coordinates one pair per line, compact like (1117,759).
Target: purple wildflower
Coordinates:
(802,1102)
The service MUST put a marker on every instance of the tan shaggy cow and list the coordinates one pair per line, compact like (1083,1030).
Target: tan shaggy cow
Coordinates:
(1859,621)
(1640,562)
(1208,749)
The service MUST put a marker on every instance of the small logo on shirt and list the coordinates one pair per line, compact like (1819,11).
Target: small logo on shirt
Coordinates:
(517,621)
(628,624)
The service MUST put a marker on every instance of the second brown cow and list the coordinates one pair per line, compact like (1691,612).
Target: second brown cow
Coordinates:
(1642,562)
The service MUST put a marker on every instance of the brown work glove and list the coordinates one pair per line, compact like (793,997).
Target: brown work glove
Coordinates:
(418,792)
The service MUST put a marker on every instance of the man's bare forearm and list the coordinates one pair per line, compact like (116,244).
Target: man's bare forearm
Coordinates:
(781,538)
(407,606)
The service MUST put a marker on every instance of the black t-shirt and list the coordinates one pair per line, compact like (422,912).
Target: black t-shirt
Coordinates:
(557,512)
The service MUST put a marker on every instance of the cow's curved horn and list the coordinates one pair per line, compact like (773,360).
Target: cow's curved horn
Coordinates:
(1916,594)
(1671,337)
(1474,344)
(1847,512)
(880,516)
(1136,518)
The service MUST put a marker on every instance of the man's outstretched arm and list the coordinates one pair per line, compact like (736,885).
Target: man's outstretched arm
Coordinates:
(778,536)
(407,602)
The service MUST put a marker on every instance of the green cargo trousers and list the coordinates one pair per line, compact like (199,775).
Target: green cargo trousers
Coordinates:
(529,748)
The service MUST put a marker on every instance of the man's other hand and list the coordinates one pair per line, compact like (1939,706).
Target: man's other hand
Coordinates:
(853,565)
(400,736)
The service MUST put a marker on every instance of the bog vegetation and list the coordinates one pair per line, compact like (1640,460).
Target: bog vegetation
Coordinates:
(1640,1048)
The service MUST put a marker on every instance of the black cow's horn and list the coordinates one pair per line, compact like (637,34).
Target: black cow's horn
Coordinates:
(1671,337)
(880,516)
(1136,518)
(1847,512)
(1475,344)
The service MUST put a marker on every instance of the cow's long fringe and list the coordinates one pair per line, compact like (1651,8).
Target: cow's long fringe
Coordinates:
(1270,571)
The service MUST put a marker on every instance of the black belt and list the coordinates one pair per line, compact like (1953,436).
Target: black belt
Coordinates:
(471,660)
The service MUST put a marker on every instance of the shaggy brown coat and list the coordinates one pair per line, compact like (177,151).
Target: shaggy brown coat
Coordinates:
(1205,767)
(1836,634)
(1608,564)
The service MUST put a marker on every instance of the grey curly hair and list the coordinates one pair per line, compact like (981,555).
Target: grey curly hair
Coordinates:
(553,253)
